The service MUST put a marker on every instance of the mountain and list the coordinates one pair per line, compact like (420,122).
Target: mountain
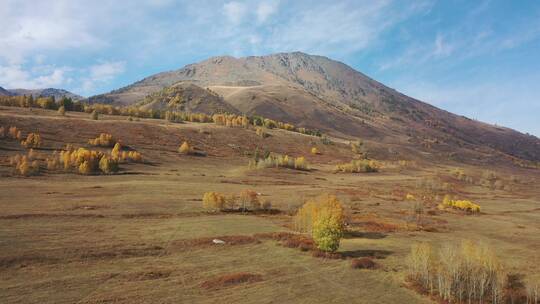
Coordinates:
(4,92)
(320,93)
(57,93)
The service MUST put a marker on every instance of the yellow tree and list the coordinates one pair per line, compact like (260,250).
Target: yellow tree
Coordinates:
(184,148)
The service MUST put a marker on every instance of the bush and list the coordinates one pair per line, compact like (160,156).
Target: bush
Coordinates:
(363,263)
(324,219)
(314,151)
(14,133)
(261,132)
(185,148)
(357,166)
(108,165)
(33,140)
(24,165)
(94,115)
(214,201)
(103,140)
(62,111)
(464,205)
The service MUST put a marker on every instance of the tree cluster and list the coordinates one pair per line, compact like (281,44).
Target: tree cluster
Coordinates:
(456,273)
(357,166)
(246,200)
(280,161)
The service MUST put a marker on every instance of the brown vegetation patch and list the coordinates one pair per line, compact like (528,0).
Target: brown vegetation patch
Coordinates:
(363,263)
(123,253)
(230,280)
(374,226)
(25,260)
(47,215)
(327,255)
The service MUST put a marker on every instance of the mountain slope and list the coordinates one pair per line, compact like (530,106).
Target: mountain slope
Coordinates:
(57,93)
(317,92)
(4,92)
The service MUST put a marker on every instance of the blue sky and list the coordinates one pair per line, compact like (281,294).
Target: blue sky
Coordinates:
(480,59)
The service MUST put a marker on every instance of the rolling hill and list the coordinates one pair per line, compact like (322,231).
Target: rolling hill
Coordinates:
(48,92)
(319,93)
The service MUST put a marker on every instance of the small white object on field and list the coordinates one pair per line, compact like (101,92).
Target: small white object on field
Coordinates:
(216,241)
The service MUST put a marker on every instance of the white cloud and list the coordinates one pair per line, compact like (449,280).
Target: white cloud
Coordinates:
(442,48)
(266,9)
(102,73)
(15,76)
(234,11)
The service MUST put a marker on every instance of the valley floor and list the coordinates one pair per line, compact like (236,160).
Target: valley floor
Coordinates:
(142,236)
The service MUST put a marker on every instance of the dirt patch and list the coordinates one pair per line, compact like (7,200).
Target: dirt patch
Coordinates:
(230,280)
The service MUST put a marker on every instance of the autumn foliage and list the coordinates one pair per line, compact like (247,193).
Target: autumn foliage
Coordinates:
(280,161)
(456,273)
(324,219)
(357,166)
(33,140)
(103,140)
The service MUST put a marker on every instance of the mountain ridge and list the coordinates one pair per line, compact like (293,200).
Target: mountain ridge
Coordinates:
(320,93)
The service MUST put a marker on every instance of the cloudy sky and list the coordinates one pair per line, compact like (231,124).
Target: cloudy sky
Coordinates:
(480,59)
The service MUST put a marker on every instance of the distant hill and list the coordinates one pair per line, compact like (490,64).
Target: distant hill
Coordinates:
(320,93)
(4,92)
(57,93)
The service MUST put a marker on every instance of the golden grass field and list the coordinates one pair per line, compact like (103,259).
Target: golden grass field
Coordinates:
(142,236)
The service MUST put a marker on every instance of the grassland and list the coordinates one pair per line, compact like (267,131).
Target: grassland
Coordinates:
(142,236)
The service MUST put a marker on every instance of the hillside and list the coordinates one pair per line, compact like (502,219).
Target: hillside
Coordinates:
(320,93)
(56,93)
(4,92)
(186,97)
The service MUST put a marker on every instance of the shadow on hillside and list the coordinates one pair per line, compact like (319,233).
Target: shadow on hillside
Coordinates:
(371,253)
(364,235)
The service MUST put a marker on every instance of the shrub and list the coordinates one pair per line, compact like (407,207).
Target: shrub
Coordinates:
(464,205)
(363,263)
(261,132)
(103,140)
(249,199)
(62,111)
(533,290)
(94,115)
(185,148)
(357,147)
(410,197)
(455,273)
(214,201)
(277,161)
(357,166)
(108,165)
(14,133)
(323,218)
(314,151)
(32,140)
(24,166)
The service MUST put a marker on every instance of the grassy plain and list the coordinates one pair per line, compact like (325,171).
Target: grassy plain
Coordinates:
(142,236)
